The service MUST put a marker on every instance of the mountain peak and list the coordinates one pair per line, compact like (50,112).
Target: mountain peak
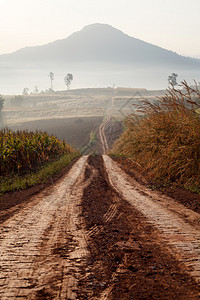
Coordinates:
(99,31)
(102,43)
(99,26)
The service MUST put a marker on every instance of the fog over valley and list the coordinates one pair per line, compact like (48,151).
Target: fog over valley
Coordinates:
(98,56)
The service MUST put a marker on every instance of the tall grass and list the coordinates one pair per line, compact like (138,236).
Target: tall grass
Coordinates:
(165,138)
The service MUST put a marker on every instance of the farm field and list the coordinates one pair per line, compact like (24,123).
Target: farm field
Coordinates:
(73,115)
(73,104)
(76,131)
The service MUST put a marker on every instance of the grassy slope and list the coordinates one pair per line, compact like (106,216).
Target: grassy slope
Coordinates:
(166,141)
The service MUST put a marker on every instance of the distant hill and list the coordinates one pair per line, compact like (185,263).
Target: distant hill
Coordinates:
(97,56)
(99,43)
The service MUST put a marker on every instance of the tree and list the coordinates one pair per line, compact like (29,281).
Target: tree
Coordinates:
(2,100)
(172,79)
(25,91)
(36,91)
(68,79)
(51,75)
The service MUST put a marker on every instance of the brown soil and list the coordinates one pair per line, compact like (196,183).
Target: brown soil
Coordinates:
(125,260)
(185,197)
(80,239)
(43,244)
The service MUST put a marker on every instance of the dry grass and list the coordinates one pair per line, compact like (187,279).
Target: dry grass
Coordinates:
(165,140)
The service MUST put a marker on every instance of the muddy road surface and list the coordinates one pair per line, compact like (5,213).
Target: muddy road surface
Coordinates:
(99,234)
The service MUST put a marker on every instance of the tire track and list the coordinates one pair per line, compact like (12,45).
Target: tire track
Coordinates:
(127,258)
(43,246)
(102,134)
(47,253)
(181,234)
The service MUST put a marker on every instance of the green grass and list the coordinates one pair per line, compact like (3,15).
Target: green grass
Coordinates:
(19,182)
(90,143)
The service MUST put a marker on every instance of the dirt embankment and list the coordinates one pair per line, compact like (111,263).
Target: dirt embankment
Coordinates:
(94,236)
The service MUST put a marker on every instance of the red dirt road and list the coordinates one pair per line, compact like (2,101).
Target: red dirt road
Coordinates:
(99,234)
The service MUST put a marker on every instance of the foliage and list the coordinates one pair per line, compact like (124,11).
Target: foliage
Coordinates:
(25,91)
(68,79)
(92,140)
(2,100)
(23,151)
(165,140)
(36,91)
(172,79)
(51,75)
(19,182)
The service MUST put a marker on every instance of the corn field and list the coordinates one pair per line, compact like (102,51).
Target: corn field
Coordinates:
(22,151)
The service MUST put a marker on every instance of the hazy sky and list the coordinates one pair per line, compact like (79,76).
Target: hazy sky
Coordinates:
(171,24)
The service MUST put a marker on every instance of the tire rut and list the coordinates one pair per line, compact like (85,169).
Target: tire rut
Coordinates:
(85,241)
(126,260)
(179,227)
(43,246)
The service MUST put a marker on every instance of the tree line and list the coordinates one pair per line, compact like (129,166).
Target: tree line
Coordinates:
(67,80)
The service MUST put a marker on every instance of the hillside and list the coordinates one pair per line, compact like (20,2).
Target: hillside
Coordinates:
(99,43)
(97,56)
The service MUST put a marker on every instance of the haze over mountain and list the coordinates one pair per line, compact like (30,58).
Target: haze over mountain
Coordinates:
(100,43)
(98,56)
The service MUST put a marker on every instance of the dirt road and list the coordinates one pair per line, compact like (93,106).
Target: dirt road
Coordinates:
(98,234)
(102,134)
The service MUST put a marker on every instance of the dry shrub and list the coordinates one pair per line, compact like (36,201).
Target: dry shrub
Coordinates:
(165,140)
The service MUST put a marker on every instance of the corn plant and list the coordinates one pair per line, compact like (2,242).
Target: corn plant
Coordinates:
(22,150)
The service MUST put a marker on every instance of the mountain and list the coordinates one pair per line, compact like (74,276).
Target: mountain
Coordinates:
(97,56)
(99,43)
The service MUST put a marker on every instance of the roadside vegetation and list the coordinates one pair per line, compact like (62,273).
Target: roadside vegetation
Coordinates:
(28,158)
(164,138)
(91,142)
